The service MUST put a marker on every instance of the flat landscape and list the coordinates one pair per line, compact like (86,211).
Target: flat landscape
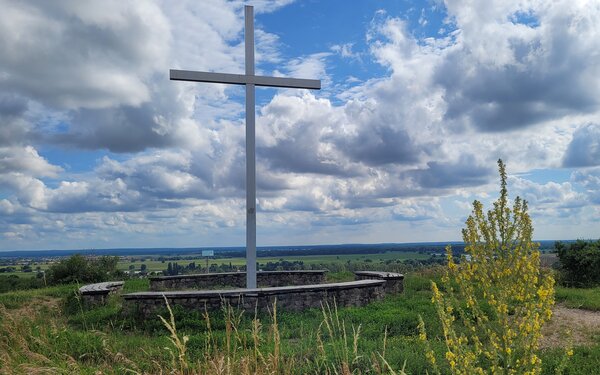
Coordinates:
(57,333)
(283,187)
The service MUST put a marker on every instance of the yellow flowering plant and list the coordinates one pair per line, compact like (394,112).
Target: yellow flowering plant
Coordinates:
(492,304)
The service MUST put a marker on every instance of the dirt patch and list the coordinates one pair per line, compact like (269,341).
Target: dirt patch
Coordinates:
(583,324)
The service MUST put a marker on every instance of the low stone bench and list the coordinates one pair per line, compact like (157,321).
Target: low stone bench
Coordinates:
(97,294)
(394,282)
(147,305)
(236,280)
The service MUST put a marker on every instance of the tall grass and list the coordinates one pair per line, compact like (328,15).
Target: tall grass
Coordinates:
(260,352)
(31,343)
(41,334)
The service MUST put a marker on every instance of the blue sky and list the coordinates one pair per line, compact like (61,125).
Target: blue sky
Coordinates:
(420,98)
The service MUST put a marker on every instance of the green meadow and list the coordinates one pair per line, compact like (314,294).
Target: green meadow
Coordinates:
(48,331)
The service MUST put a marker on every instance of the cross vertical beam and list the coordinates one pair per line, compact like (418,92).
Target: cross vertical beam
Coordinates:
(250,152)
(251,81)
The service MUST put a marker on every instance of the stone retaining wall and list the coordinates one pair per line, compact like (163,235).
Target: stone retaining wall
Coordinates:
(290,298)
(97,294)
(394,282)
(236,280)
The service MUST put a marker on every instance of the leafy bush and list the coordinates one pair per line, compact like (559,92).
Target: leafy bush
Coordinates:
(14,282)
(78,268)
(579,263)
(493,306)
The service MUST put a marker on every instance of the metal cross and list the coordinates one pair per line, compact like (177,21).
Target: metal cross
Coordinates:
(250,80)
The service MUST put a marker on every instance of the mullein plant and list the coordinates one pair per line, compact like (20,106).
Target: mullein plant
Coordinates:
(493,304)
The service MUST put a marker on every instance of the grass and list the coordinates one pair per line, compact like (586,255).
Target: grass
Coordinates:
(91,339)
(39,333)
(579,298)
(16,299)
(136,285)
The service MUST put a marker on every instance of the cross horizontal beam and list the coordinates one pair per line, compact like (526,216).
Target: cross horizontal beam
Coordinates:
(242,79)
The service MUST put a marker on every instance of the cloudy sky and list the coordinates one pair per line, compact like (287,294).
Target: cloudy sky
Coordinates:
(420,98)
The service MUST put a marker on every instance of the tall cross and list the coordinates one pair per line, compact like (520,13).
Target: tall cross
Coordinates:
(250,80)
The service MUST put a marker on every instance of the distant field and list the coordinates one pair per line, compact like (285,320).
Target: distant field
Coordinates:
(154,265)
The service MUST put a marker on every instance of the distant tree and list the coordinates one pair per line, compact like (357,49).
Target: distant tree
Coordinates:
(579,263)
(131,267)
(78,268)
(143,268)
(14,282)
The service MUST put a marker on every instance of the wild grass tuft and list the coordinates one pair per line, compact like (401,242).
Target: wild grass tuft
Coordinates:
(179,343)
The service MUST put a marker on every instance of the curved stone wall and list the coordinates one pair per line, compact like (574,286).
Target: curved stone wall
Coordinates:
(394,282)
(289,298)
(97,294)
(369,286)
(236,280)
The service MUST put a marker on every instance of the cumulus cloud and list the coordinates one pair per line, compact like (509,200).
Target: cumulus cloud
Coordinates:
(127,128)
(12,105)
(378,145)
(162,176)
(551,198)
(74,54)
(25,160)
(293,136)
(345,50)
(308,66)
(584,149)
(589,179)
(416,210)
(101,70)
(13,128)
(506,79)
(461,173)
(502,74)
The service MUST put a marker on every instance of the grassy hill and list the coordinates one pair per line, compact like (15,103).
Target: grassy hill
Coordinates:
(47,331)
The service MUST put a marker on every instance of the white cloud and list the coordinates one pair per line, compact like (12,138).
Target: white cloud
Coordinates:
(550,199)
(515,80)
(73,54)
(584,149)
(589,179)
(502,75)
(345,50)
(25,160)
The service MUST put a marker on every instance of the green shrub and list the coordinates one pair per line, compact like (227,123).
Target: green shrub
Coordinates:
(579,263)
(14,282)
(78,268)
(493,305)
